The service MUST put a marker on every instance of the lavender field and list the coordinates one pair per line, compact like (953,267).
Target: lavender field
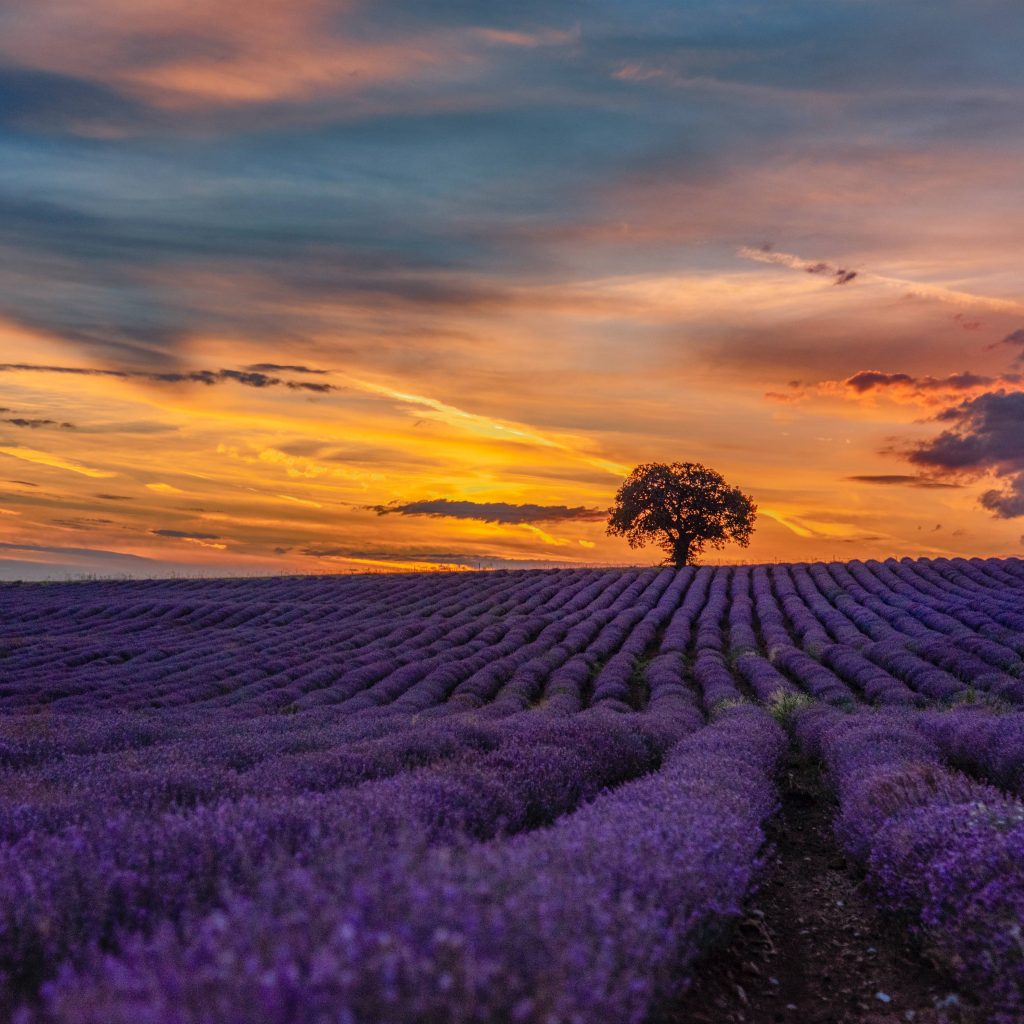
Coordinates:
(535,797)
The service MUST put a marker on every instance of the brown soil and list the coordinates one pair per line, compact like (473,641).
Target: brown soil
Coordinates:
(811,948)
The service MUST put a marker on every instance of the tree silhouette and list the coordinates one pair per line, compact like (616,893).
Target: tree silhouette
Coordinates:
(682,507)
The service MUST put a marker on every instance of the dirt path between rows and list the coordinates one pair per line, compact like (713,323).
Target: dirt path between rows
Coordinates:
(811,948)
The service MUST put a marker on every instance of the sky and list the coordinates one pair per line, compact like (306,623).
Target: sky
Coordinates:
(330,286)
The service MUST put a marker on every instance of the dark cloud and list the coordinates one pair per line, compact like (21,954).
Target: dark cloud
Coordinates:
(74,370)
(389,555)
(871,380)
(185,535)
(839,275)
(130,427)
(35,424)
(1015,338)
(903,480)
(283,368)
(369,455)
(353,454)
(102,276)
(24,483)
(211,377)
(867,380)
(115,497)
(82,522)
(304,447)
(986,436)
(491,511)
(75,273)
(248,378)
(1007,503)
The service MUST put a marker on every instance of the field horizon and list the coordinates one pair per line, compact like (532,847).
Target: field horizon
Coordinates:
(73,578)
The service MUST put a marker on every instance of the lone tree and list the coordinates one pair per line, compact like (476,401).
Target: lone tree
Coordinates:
(682,507)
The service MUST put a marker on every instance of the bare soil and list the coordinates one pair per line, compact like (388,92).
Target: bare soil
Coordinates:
(811,948)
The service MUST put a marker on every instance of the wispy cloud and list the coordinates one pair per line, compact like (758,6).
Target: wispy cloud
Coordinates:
(249,378)
(52,549)
(283,368)
(204,540)
(821,268)
(490,426)
(184,535)
(425,558)
(841,275)
(491,511)
(54,461)
(903,480)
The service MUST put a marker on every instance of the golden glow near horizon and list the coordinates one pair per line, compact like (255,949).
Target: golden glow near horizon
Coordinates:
(353,287)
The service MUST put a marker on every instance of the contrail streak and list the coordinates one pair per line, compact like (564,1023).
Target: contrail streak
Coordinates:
(928,291)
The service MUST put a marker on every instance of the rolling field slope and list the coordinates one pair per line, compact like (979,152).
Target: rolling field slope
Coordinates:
(512,796)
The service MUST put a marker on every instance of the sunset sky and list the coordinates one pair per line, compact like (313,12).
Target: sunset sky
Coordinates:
(321,286)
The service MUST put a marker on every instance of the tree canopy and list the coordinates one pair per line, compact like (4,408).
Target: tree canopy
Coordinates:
(682,507)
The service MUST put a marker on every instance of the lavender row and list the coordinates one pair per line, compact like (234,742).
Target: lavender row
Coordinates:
(202,767)
(62,893)
(212,653)
(599,917)
(973,739)
(942,852)
(841,633)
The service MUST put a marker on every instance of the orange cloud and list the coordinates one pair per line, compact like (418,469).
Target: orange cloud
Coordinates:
(924,389)
(55,462)
(182,56)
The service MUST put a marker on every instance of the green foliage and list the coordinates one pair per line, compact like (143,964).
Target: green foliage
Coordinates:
(725,705)
(639,688)
(682,507)
(972,697)
(785,705)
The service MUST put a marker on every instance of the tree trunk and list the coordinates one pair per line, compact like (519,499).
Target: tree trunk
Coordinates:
(681,551)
